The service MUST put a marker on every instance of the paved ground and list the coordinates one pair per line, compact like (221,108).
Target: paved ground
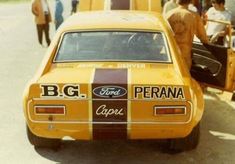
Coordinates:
(21,55)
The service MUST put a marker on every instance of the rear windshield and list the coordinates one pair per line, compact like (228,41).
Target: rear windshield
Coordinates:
(113,46)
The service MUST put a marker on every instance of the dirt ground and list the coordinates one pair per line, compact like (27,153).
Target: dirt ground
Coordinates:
(20,57)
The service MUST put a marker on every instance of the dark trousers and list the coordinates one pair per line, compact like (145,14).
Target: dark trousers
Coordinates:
(44,28)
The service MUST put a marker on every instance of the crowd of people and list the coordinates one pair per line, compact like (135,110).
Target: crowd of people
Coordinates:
(183,16)
(173,11)
(185,25)
(42,13)
(186,22)
(185,19)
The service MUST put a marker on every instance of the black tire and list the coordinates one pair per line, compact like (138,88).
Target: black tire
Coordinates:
(42,142)
(188,143)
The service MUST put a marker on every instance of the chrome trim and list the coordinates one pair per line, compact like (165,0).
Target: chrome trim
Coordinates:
(215,61)
(129,77)
(170,61)
(90,110)
(208,52)
(114,60)
(90,99)
(109,86)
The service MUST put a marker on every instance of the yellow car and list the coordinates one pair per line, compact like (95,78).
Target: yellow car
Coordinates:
(114,75)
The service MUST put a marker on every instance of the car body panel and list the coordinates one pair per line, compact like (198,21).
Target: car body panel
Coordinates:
(120,19)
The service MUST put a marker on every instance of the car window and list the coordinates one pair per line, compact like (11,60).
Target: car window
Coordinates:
(113,46)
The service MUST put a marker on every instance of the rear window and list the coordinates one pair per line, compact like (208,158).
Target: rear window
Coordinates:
(113,46)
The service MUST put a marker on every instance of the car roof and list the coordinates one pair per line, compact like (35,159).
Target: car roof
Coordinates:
(135,20)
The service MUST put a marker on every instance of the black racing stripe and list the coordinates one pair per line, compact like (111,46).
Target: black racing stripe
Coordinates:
(109,103)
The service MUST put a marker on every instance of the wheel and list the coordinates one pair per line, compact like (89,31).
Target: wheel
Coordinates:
(188,143)
(42,142)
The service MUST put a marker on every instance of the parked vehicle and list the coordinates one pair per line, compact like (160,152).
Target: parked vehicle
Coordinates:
(120,75)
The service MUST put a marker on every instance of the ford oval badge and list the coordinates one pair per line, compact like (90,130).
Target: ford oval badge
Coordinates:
(109,91)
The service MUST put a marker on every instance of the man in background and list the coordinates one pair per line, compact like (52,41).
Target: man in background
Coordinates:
(171,4)
(217,31)
(41,11)
(192,6)
(59,8)
(74,4)
(185,24)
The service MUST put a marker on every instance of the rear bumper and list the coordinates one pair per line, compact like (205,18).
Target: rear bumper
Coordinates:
(134,131)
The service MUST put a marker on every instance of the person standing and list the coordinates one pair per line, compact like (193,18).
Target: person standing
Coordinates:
(171,4)
(59,8)
(74,4)
(185,24)
(216,31)
(41,11)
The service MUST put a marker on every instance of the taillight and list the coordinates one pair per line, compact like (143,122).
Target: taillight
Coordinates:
(169,110)
(50,110)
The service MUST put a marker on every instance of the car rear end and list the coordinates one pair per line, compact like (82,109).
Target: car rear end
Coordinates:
(128,103)
(120,80)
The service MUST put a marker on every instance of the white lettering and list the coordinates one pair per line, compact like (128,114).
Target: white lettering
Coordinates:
(90,65)
(102,110)
(131,65)
(110,91)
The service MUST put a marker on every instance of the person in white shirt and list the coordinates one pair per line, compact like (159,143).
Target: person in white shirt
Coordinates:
(193,8)
(171,4)
(216,31)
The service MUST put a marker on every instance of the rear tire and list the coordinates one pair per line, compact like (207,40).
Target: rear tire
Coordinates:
(42,142)
(187,143)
